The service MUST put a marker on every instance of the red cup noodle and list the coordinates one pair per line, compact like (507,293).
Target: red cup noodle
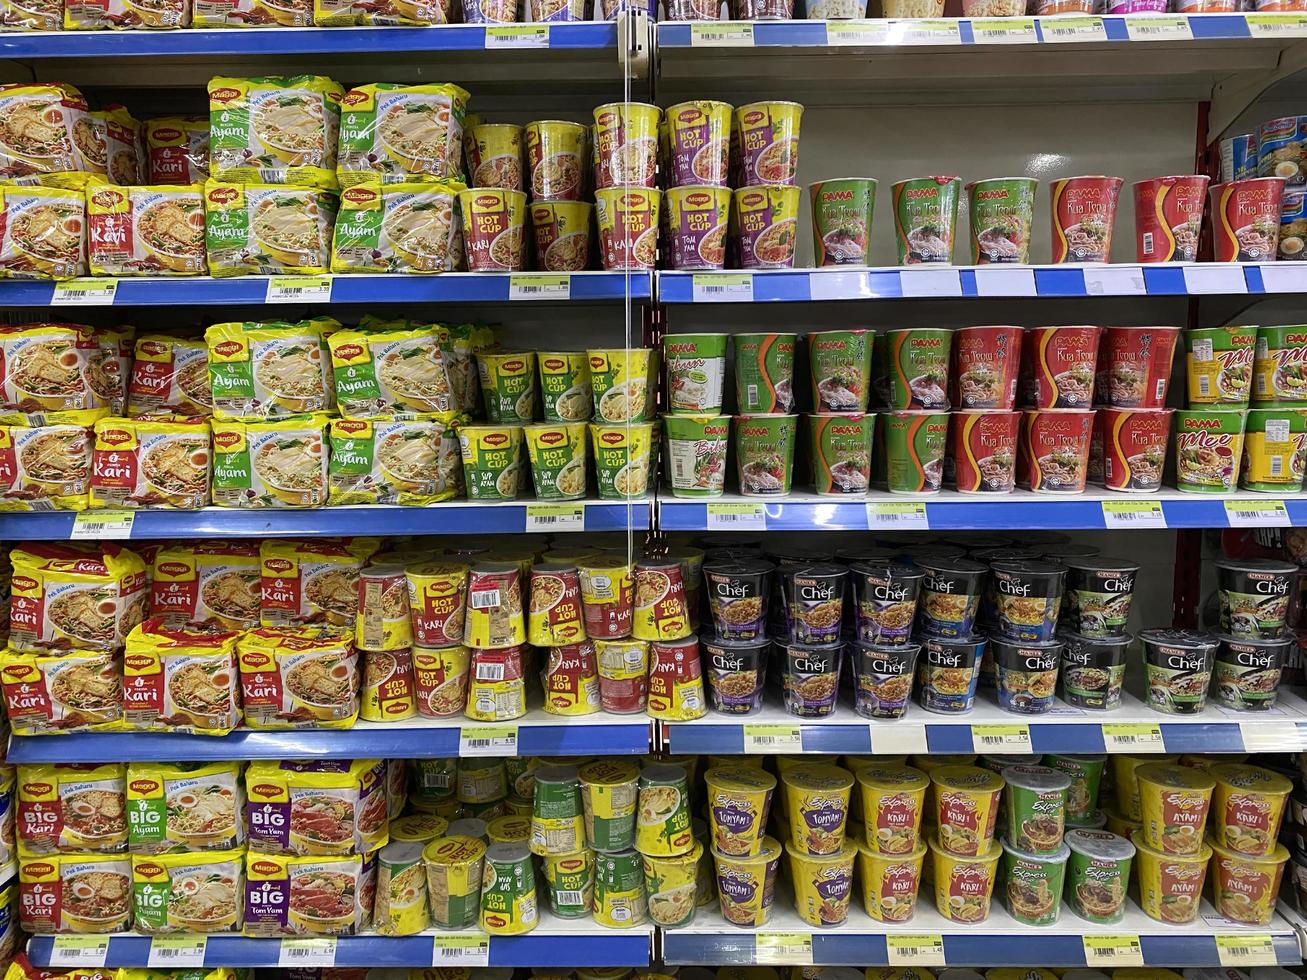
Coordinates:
(1134,448)
(984,450)
(1169,218)
(1084,211)
(1058,365)
(1246,219)
(1053,456)
(1134,366)
(985,362)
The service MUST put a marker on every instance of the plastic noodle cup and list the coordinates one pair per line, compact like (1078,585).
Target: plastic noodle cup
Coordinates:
(762,9)
(965,803)
(1134,366)
(609,789)
(964,884)
(1119,824)
(836,9)
(822,883)
(1026,674)
(764,226)
(1126,783)
(739,800)
(985,366)
(892,802)
(746,884)
(1174,801)
(696,224)
(558,457)
(769,143)
(662,825)
(737,670)
(1093,670)
(627,218)
(696,367)
(492,461)
(619,899)
(885,595)
(669,883)
(1059,367)
(626,146)
(696,450)
(1280,366)
(693,10)
(810,677)
(562,235)
(1248,672)
(1086,772)
(1032,884)
(840,366)
(1247,808)
(1035,808)
(556,151)
(890,882)
(454,869)
(1053,454)
(948,672)
(919,368)
(914,450)
(764,454)
(1083,208)
(1293,226)
(622,381)
(1282,143)
(1134,448)
(926,219)
(764,372)
(1002,215)
(738,594)
(840,452)
(494,228)
(1098,874)
(984,450)
(842,211)
(623,459)
(494,153)
(565,391)
(699,137)
(1246,219)
(1208,447)
(950,596)
(571,881)
(817,804)
(1244,887)
(1274,450)
(1169,216)
(1170,885)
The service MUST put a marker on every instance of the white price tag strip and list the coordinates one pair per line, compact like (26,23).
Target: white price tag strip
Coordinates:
(1111,951)
(1261,736)
(737,517)
(555,517)
(531,286)
(1158,29)
(93,525)
(1284,277)
(1129,737)
(897,514)
(772,739)
(783,949)
(487,740)
(728,35)
(899,739)
(178,951)
(85,292)
(722,287)
(995,280)
(1214,279)
(924,32)
(1133,513)
(1072,29)
(926,949)
(79,950)
(838,285)
(457,949)
(1246,949)
(856,33)
(1109,280)
(930,282)
(1256,513)
(307,952)
(1004,30)
(298,289)
(518,36)
(1001,738)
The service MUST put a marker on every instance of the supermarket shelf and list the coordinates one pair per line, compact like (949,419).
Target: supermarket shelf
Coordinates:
(1133,727)
(998,941)
(453,287)
(949,511)
(536,733)
(552,943)
(450,517)
(1128,58)
(984,282)
(1286,909)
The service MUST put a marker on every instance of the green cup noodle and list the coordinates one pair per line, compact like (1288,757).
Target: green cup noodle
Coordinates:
(840,452)
(764,454)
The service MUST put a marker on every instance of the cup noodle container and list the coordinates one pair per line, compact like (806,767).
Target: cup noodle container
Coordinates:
(556,154)
(494,150)
(839,448)
(1083,208)
(842,210)
(1134,366)
(985,364)
(1002,214)
(926,219)
(693,9)
(1282,143)
(1219,366)
(918,368)
(764,227)
(628,227)
(768,132)
(1053,456)
(1134,448)
(494,228)
(1058,365)
(836,9)
(1246,219)
(697,220)
(984,448)
(914,450)
(626,144)
(1293,226)
(1208,448)
(1169,217)
(562,234)
(699,138)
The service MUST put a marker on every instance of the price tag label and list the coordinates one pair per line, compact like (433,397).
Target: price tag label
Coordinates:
(997,281)
(1284,277)
(838,285)
(855,33)
(896,514)
(1004,30)
(719,287)
(1252,949)
(1109,280)
(926,949)
(298,289)
(725,35)
(737,517)
(1277,25)
(1214,279)
(924,32)
(898,739)
(177,951)
(1256,513)
(772,739)
(555,517)
(538,287)
(1113,951)
(92,525)
(1127,737)
(783,949)
(518,36)
(1058,30)
(487,740)
(307,952)
(457,949)
(1133,513)
(1158,29)
(1001,738)
(85,292)
(1263,736)
(79,950)
(930,282)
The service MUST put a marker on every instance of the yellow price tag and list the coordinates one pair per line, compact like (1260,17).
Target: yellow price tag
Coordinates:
(725,35)
(518,36)
(536,286)
(85,292)
(1062,29)
(1113,951)
(737,517)
(723,287)
(1001,738)
(298,289)
(924,949)
(783,949)
(555,517)
(772,739)
(901,514)
(1004,30)
(79,950)
(487,740)
(1277,25)
(1133,513)
(1251,949)
(1131,737)
(93,525)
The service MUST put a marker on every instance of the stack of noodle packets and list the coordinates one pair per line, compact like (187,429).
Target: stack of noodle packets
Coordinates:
(146,230)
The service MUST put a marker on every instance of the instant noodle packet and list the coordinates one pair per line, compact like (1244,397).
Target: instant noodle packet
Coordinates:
(47,466)
(411,462)
(55,123)
(398,371)
(267,229)
(74,596)
(184,806)
(149,463)
(26,16)
(311,581)
(266,370)
(308,896)
(65,808)
(176,150)
(75,893)
(278,464)
(155,230)
(42,232)
(78,691)
(326,807)
(51,367)
(179,679)
(275,130)
(396,228)
(191,893)
(299,677)
(252,13)
(210,583)
(395,133)
(169,375)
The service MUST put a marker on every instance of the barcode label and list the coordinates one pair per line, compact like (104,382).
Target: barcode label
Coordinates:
(1256,949)
(772,739)
(737,517)
(1133,513)
(921,950)
(85,292)
(1133,737)
(484,599)
(461,950)
(1056,29)
(518,36)
(783,948)
(1113,951)
(493,740)
(1159,392)
(853,33)
(568,897)
(1277,25)
(1158,29)
(924,32)
(721,35)
(93,525)
(1004,30)
(555,517)
(1148,243)
(907,514)
(1204,386)
(752,394)
(298,289)
(1256,513)
(719,287)
(1003,738)
(177,951)
(307,952)
(534,286)
(490,672)
(79,950)
(1277,465)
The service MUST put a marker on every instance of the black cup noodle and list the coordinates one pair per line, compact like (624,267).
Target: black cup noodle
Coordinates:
(1093,670)
(1248,671)
(738,591)
(882,678)
(1027,674)
(950,595)
(885,600)
(947,671)
(811,678)
(1098,595)
(813,597)
(1178,665)
(1254,596)
(1028,595)
(736,673)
